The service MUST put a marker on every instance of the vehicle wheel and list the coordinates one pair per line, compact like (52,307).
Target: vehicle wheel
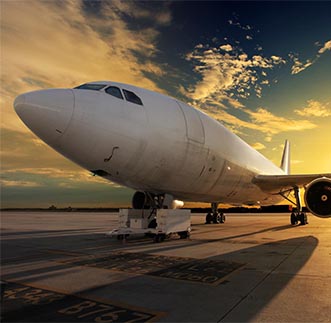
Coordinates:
(294,218)
(216,218)
(184,234)
(209,218)
(156,238)
(159,238)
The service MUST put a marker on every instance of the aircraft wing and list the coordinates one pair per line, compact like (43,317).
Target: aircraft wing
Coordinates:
(281,183)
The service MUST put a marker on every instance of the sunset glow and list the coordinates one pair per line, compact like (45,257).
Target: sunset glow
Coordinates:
(263,69)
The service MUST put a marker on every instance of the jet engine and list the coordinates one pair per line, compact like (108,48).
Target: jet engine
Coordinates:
(318,197)
(140,200)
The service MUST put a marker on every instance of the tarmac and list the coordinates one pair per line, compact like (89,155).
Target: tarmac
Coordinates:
(61,267)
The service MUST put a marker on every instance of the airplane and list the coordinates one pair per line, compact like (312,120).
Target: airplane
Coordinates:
(166,150)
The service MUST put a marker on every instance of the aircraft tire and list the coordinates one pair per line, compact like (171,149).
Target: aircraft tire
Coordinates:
(209,218)
(294,219)
(222,218)
(216,218)
(303,218)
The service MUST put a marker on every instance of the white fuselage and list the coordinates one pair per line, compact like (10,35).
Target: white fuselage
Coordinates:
(162,146)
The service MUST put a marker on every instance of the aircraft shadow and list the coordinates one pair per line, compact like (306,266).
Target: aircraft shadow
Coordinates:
(260,273)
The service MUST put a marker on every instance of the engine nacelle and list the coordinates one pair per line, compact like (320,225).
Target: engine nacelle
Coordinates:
(140,201)
(318,197)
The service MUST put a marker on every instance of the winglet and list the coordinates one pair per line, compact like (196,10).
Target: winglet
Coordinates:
(285,164)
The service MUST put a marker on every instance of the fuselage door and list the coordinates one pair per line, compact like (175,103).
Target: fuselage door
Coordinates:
(194,126)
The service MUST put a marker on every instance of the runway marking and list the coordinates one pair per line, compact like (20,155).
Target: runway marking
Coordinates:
(188,269)
(23,302)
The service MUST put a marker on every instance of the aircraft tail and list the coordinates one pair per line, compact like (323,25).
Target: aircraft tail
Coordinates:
(285,163)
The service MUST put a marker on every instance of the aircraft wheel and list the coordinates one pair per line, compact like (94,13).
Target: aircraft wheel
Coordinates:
(222,218)
(303,218)
(209,218)
(294,219)
(216,218)
(306,218)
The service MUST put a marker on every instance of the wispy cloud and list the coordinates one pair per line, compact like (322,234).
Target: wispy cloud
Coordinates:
(43,176)
(271,124)
(75,45)
(235,22)
(229,75)
(327,46)
(299,66)
(260,120)
(18,183)
(226,47)
(69,44)
(314,109)
(233,73)
(258,146)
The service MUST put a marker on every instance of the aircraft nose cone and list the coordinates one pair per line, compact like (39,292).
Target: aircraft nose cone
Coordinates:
(47,112)
(18,103)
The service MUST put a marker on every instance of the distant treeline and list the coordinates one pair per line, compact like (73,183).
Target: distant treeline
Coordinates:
(263,209)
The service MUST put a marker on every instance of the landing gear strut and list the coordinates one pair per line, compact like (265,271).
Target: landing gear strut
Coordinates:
(298,215)
(214,216)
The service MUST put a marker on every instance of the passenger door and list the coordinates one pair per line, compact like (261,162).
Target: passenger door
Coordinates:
(194,126)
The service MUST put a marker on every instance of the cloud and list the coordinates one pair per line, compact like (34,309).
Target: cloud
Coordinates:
(13,183)
(314,109)
(327,46)
(235,22)
(44,44)
(300,66)
(258,146)
(231,73)
(272,124)
(229,76)
(260,120)
(55,177)
(75,45)
(226,48)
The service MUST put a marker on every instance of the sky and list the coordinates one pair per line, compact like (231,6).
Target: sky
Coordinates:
(263,69)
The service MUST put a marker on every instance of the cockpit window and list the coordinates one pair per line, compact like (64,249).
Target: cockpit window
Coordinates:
(114,91)
(90,86)
(132,97)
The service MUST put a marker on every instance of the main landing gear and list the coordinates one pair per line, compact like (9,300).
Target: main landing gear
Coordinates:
(297,215)
(214,216)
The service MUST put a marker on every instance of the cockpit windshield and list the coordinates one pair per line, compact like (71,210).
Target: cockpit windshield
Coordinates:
(91,86)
